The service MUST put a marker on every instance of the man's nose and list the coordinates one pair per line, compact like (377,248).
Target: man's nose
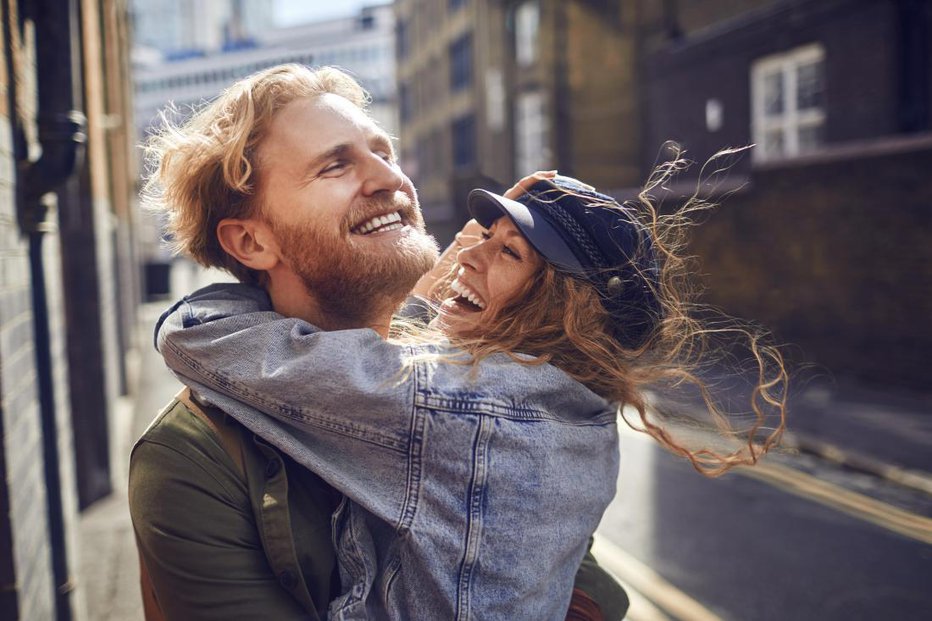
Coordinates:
(382,176)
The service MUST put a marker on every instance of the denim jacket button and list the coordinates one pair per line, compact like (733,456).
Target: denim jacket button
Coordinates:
(272,468)
(288,579)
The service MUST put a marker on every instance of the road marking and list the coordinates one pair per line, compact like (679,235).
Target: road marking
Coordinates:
(805,485)
(645,587)
(640,608)
(857,505)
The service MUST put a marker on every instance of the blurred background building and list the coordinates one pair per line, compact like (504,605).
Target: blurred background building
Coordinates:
(491,90)
(186,53)
(823,235)
(179,28)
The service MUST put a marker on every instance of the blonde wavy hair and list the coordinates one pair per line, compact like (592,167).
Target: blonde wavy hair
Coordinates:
(559,319)
(205,169)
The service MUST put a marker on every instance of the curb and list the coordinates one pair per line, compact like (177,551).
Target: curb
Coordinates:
(914,479)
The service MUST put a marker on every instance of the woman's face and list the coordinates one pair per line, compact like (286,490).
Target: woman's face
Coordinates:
(489,275)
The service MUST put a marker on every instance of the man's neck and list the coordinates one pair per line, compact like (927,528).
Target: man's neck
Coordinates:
(294,301)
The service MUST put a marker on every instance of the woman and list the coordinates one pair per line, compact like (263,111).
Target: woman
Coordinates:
(475,466)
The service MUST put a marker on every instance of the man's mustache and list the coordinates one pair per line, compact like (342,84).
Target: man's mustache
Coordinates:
(381,205)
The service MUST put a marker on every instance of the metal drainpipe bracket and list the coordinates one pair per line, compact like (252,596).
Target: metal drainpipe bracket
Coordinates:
(62,137)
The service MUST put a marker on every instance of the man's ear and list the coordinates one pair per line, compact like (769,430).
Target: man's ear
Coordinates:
(250,242)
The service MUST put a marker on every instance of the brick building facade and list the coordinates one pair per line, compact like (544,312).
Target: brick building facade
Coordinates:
(825,241)
(835,94)
(490,90)
(68,285)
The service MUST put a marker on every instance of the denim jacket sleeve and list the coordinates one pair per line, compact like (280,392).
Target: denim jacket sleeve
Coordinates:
(337,402)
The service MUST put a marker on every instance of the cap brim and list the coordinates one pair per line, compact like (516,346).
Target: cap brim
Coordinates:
(487,207)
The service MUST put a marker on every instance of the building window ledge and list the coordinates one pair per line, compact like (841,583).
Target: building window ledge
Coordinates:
(854,150)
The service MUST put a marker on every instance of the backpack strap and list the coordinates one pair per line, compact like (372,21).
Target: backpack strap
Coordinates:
(230,438)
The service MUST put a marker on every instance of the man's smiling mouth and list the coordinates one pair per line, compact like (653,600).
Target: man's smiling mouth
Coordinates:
(379,224)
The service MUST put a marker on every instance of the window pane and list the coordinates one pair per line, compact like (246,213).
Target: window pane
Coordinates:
(773,94)
(464,141)
(527,26)
(531,138)
(809,85)
(402,44)
(405,102)
(773,143)
(810,137)
(461,63)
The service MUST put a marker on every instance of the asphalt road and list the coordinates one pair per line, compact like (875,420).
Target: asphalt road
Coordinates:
(749,549)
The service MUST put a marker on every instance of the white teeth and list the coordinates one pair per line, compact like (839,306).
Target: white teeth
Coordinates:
(379,221)
(467,293)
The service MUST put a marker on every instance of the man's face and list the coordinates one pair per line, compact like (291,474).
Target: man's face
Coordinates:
(345,216)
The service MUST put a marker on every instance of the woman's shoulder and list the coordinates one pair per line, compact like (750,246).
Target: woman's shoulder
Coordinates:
(502,383)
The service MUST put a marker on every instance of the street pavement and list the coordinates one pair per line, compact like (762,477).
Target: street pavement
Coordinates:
(108,566)
(762,548)
(827,530)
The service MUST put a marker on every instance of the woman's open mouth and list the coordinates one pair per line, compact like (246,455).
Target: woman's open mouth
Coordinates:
(380,224)
(466,298)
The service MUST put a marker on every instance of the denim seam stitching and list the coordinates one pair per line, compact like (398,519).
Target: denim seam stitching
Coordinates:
(416,444)
(350,556)
(488,407)
(474,518)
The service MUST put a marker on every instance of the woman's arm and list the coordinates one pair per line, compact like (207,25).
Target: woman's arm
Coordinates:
(227,337)
(338,403)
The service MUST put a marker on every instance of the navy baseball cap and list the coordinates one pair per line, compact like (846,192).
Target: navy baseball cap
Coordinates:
(591,236)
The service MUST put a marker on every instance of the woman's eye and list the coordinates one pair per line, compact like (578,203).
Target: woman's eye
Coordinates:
(509,251)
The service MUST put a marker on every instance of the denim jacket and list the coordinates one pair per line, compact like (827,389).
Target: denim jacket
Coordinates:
(471,490)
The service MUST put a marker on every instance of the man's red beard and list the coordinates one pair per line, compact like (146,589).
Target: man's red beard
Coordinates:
(352,282)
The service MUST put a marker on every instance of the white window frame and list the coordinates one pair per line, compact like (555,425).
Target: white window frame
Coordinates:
(792,119)
(532,149)
(527,32)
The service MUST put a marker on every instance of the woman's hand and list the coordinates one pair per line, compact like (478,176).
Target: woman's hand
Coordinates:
(469,235)
(525,184)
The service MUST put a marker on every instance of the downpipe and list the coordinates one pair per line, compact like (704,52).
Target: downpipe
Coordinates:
(62,135)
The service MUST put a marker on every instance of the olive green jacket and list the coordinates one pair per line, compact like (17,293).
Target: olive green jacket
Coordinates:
(230,528)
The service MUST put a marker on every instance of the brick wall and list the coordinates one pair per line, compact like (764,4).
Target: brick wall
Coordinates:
(603,101)
(826,249)
(833,254)
(22,439)
(29,593)
(862,74)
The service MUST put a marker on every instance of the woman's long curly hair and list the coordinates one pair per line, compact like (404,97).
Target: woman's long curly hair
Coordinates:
(559,319)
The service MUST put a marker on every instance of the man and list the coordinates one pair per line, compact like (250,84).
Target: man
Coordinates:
(286,183)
